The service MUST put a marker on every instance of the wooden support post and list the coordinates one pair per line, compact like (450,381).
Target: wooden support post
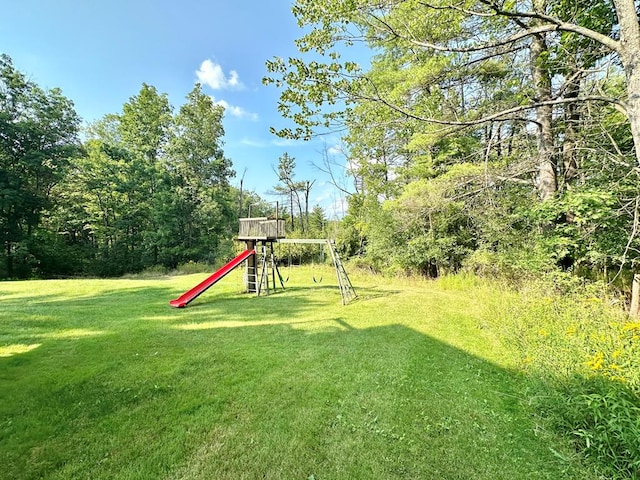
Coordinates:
(272,259)
(252,270)
(634,310)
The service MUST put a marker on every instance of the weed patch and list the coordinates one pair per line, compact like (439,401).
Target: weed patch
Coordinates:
(582,355)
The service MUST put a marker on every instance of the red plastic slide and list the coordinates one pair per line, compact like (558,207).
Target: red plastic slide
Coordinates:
(186,297)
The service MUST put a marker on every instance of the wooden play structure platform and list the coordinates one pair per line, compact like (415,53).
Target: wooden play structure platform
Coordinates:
(259,234)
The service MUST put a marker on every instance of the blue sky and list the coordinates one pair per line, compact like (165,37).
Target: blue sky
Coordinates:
(100,53)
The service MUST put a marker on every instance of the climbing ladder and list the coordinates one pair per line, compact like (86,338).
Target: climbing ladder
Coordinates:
(347,292)
(252,276)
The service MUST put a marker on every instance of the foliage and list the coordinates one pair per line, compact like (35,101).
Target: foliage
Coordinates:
(518,98)
(202,214)
(422,231)
(38,138)
(296,193)
(605,423)
(583,355)
(317,222)
(253,205)
(152,189)
(147,188)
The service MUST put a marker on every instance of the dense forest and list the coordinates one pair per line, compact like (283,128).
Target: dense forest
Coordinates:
(142,188)
(494,136)
(145,188)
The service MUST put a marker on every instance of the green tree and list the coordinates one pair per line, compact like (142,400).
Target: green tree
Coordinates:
(197,140)
(196,215)
(254,205)
(317,222)
(511,91)
(38,136)
(144,123)
(100,198)
(290,188)
(143,128)
(412,33)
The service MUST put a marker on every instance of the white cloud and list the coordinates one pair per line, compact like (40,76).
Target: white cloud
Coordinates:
(212,75)
(252,143)
(331,200)
(287,142)
(236,111)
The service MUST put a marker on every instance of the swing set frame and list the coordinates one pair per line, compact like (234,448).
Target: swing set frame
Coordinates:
(290,259)
(268,231)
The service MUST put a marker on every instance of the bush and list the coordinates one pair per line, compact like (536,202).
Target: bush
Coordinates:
(149,272)
(517,265)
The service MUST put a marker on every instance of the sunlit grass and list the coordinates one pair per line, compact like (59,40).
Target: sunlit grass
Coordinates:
(405,382)
(9,350)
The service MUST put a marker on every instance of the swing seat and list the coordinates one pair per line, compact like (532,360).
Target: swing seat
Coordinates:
(317,281)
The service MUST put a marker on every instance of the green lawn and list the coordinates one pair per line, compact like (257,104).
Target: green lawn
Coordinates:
(102,379)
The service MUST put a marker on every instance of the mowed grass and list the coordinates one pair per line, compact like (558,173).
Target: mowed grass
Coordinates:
(102,379)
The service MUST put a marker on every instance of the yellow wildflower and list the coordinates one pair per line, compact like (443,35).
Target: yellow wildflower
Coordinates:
(596,362)
(631,326)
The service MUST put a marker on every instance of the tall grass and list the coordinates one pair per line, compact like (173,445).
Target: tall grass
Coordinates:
(581,353)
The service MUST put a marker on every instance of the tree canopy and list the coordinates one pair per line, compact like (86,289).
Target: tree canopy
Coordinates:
(485,124)
(38,140)
(145,188)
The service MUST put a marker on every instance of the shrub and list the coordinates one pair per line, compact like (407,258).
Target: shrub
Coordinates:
(149,272)
(193,267)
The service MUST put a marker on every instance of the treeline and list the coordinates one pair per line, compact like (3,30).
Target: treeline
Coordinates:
(145,187)
(493,136)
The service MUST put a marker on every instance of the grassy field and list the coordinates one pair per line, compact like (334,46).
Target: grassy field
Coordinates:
(102,379)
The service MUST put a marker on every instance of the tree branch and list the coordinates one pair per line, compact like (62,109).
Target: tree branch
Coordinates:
(529,31)
(553,22)
(489,118)
(561,25)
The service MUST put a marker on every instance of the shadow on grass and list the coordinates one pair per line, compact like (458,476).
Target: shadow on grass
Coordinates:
(258,399)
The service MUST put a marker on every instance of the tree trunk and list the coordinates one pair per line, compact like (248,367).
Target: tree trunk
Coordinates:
(9,260)
(512,135)
(572,117)
(307,193)
(240,198)
(547,179)
(634,309)
(630,55)
(633,111)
